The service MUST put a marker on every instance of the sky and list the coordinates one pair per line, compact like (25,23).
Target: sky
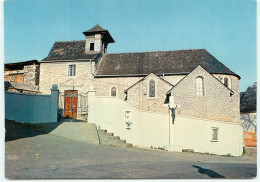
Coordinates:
(225,28)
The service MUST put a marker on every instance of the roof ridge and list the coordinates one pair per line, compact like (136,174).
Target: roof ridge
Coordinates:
(70,41)
(96,28)
(156,51)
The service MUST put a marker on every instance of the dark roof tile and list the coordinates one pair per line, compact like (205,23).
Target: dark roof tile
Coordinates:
(161,62)
(96,28)
(69,50)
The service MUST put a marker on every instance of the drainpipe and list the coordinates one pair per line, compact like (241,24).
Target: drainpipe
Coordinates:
(91,67)
(169,112)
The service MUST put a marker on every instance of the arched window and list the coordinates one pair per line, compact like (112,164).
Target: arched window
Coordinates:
(226,82)
(152,88)
(199,86)
(113,92)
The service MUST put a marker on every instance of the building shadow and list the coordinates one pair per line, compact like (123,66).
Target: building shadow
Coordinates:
(15,130)
(208,172)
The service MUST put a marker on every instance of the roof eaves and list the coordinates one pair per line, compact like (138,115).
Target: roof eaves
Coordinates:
(71,60)
(232,73)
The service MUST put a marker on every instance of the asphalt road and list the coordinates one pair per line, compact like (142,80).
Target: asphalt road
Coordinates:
(46,157)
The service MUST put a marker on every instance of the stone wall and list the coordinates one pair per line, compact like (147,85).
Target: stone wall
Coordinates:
(31,74)
(96,39)
(11,76)
(216,104)
(57,73)
(138,95)
(173,79)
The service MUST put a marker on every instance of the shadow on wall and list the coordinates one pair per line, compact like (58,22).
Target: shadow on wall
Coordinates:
(208,172)
(16,130)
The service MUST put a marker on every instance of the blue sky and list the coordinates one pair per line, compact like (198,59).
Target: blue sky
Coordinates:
(226,28)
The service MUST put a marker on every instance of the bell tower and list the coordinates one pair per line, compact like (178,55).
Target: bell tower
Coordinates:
(97,40)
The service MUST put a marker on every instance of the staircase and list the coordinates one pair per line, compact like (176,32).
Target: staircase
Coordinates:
(106,138)
(87,132)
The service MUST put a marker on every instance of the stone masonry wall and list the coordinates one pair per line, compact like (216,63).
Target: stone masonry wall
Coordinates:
(31,74)
(138,95)
(57,73)
(216,104)
(17,78)
(97,40)
(173,79)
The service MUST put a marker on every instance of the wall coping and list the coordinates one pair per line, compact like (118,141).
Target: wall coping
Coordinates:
(27,94)
(210,120)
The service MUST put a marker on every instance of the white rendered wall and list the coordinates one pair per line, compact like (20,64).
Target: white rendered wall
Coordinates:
(154,129)
(109,114)
(195,134)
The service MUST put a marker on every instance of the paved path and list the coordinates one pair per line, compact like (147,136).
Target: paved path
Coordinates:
(59,157)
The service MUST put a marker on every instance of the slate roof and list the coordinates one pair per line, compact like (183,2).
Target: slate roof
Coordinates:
(96,28)
(99,29)
(161,62)
(69,50)
(19,65)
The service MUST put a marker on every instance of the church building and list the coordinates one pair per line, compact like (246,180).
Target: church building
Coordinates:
(183,83)
(202,85)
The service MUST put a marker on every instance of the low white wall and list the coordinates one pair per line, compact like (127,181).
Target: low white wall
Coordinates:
(196,134)
(146,129)
(155,129)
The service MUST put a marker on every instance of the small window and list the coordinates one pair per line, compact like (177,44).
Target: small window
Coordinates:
(92,46)
(113,92)
(152,88)
(226,82)
(167,99)
(214,134)
(199,86)
(72,70)
(126,95)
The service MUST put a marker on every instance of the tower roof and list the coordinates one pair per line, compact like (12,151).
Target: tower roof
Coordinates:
(98,29)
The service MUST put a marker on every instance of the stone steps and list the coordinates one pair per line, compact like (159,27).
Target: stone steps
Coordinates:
(109,139)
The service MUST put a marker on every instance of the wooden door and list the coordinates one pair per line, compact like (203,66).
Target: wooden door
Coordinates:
(71,104)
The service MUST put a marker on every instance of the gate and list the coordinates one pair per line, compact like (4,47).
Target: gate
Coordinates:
(73,105)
